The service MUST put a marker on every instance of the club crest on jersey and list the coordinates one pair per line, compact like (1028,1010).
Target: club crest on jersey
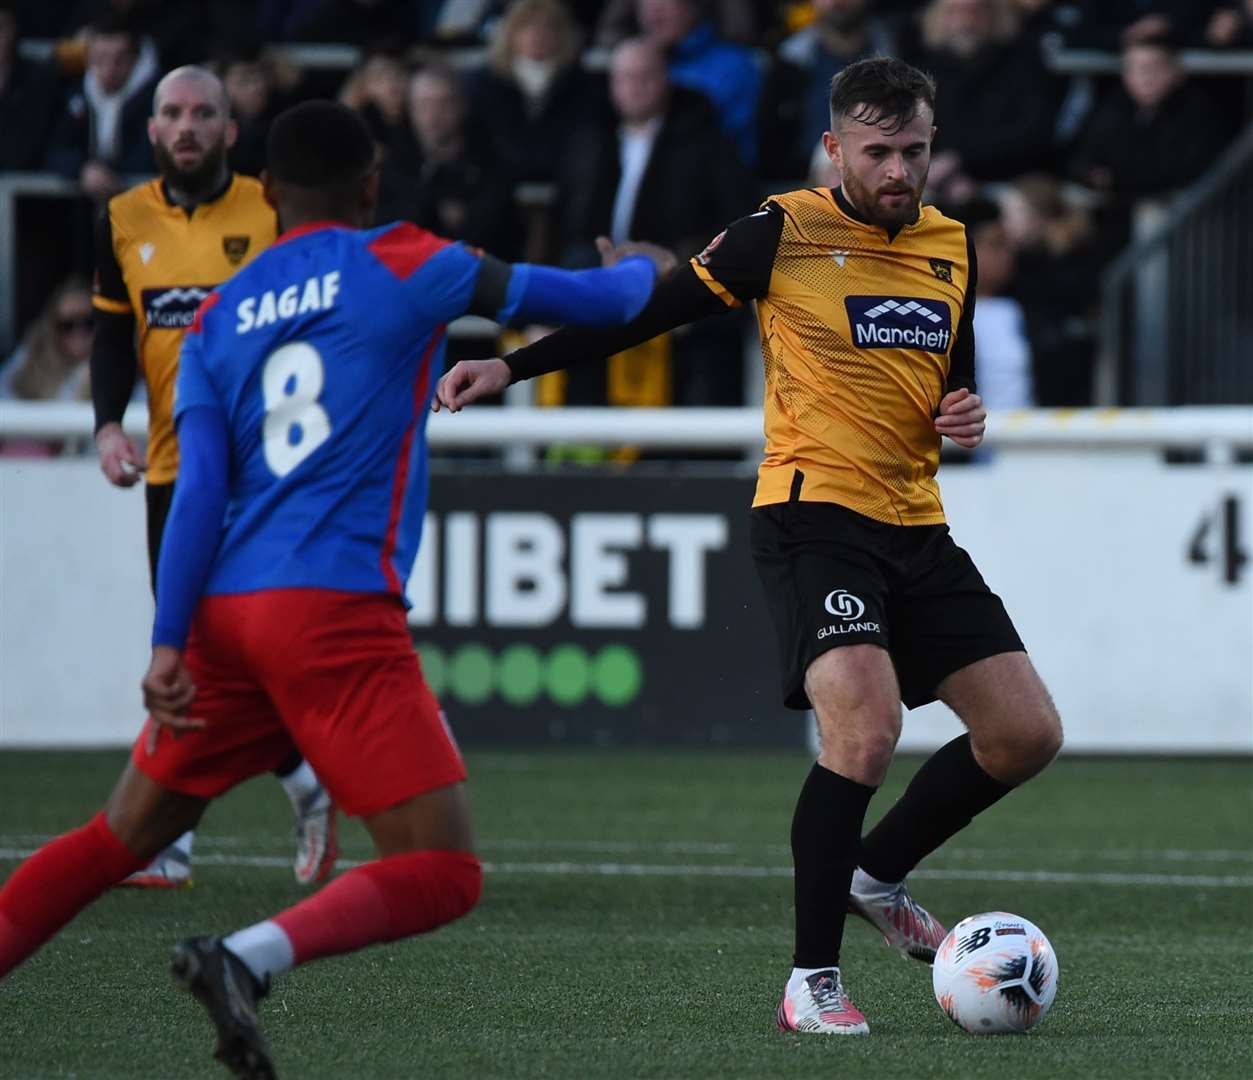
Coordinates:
(900,322)
(173,307)
(942,268)
(235,248)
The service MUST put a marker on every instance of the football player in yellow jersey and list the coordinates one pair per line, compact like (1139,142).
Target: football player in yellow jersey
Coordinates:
(160,248)
(865,301)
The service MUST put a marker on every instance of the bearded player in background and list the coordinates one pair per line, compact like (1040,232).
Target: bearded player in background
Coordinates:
(160,248)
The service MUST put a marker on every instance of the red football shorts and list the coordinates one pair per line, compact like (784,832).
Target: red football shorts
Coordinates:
(331,674)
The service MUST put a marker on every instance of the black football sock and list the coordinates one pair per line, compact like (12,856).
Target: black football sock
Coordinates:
(825,832)
(288,765)
(943,796)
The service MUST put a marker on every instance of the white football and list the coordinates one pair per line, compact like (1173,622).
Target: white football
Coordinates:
(994,974)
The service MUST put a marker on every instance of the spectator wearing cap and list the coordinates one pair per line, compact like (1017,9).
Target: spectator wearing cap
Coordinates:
(102,134)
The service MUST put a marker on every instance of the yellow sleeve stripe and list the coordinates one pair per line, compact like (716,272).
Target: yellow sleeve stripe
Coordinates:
(118,307)
(714,285)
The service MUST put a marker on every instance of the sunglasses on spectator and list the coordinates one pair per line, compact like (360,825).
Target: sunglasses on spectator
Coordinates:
(79,322)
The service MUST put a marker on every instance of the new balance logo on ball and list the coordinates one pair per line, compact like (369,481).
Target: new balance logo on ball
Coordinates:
(888,322)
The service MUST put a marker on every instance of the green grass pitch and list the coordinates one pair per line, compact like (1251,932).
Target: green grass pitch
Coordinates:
(636,923)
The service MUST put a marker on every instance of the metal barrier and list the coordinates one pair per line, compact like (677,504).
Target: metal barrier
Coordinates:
(1176,315)
(1218,432)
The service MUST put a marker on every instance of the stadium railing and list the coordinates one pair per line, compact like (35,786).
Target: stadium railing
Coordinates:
(1175,319)
(1218,433)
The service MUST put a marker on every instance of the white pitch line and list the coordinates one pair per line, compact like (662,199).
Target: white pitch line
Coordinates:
(613,869)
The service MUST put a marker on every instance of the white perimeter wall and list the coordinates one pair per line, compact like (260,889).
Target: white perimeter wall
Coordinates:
(1143,649)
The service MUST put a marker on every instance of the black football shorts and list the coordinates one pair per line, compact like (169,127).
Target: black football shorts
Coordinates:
(835,577)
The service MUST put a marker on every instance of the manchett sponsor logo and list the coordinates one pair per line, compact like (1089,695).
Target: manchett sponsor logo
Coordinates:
(900,322)
(174,307)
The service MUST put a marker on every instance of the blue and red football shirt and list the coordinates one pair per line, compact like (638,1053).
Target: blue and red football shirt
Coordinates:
(305,382)
(323,353)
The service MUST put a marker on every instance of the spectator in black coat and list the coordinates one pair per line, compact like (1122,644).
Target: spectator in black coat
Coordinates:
(436,176)
(28,101)
(252,89)
(533,94)
(379,89)
(664,174)
(1112,24)
(102,134)
(1155,133)
(996,104)
(1231,26)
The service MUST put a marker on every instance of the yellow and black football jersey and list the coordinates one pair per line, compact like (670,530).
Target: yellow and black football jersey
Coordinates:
(157,260)
(862,333)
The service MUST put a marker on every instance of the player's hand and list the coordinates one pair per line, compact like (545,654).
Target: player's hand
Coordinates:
(468,381)
(168,694)
(120,459)
(662,258)
(962,418)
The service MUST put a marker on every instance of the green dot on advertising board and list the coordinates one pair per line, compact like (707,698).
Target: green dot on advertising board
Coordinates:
(470,675)
(434,667)
(568,676)
(520,674)
(616,675)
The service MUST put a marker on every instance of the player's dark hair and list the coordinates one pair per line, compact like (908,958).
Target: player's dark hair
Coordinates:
(878,91)
(321,145)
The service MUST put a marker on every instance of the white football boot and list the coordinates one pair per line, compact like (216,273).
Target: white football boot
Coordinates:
(904,923)
(818,1005)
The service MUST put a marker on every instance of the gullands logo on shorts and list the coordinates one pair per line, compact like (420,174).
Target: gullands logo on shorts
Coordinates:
(844,605)
(900,322)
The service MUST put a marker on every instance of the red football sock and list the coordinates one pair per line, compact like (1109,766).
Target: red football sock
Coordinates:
(383,901)
(55,884)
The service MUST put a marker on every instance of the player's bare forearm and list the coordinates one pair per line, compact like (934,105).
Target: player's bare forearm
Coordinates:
(962,418)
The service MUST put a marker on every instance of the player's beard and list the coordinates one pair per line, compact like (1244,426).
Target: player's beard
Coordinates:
(199,181)
(867,202)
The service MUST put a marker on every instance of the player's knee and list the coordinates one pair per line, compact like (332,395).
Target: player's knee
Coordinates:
(1023,749)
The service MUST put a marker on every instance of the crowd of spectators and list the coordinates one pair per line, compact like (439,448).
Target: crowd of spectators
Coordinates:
(662,120)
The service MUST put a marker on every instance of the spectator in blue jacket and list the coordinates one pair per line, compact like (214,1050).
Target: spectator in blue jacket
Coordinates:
(700,60)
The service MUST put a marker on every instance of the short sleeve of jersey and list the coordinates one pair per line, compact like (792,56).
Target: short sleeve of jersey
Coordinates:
(193,387)
(737,264)
(108,286)
(436,275)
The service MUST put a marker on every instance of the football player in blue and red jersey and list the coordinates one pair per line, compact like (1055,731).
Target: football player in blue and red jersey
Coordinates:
(303,390)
